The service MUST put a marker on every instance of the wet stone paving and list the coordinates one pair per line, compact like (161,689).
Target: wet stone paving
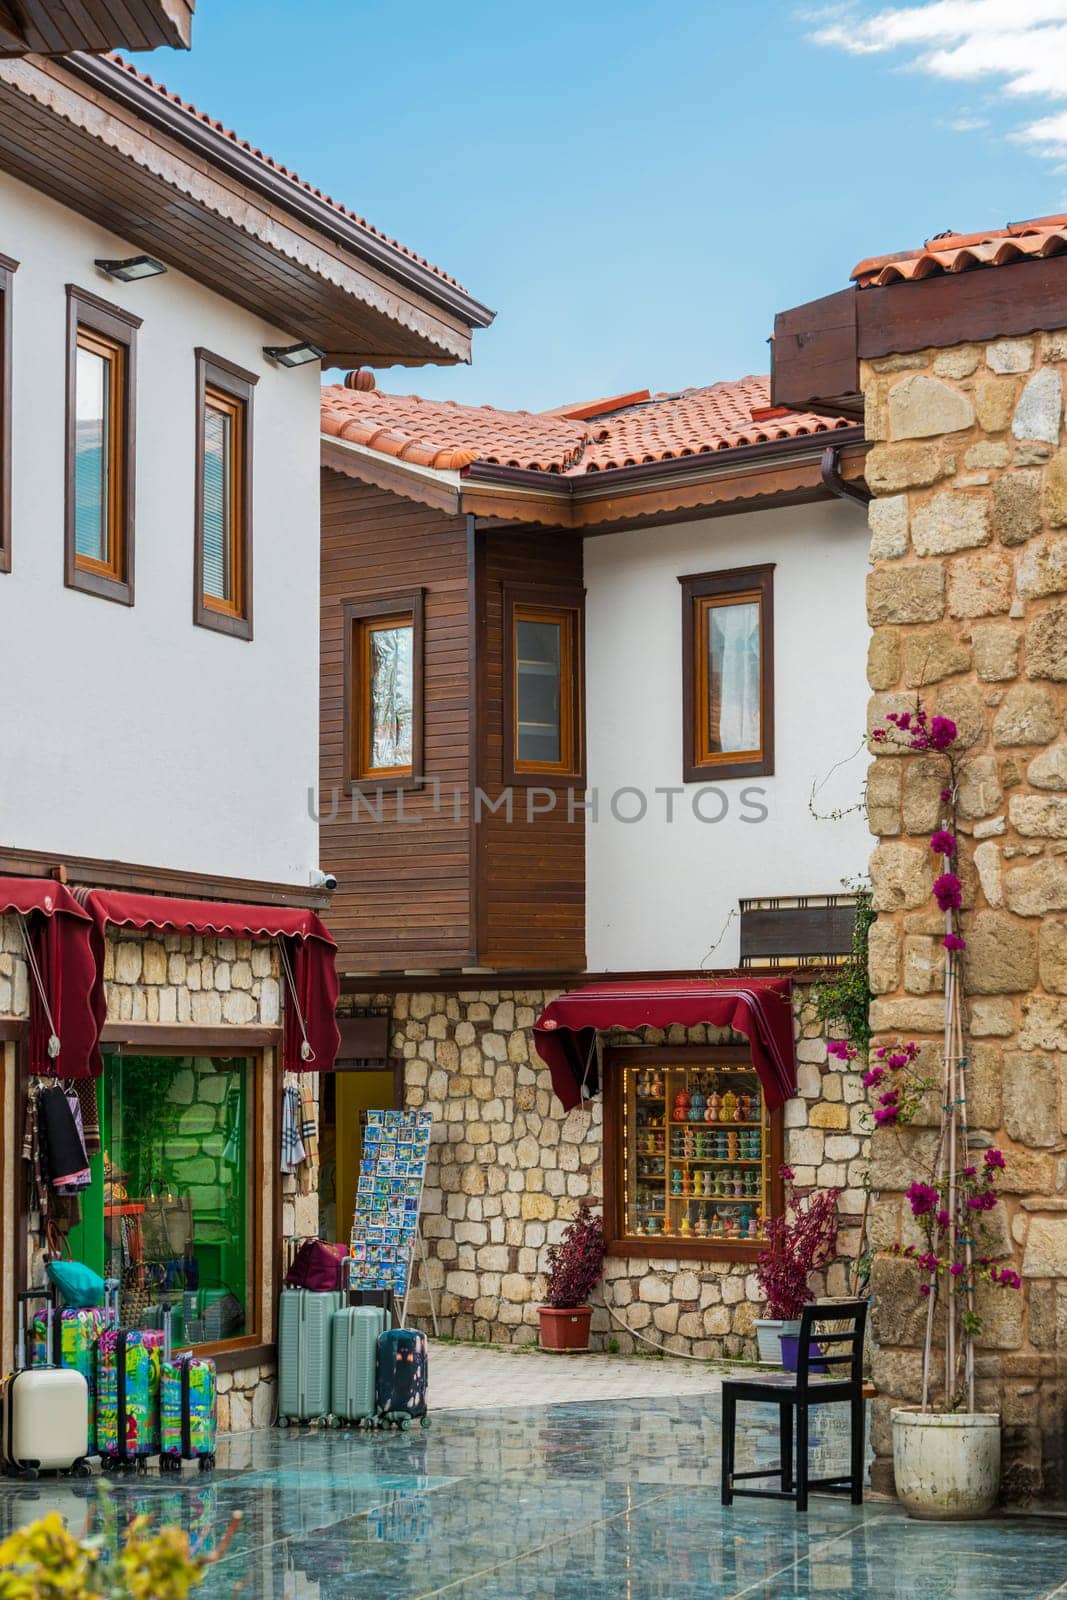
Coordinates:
(595,1500)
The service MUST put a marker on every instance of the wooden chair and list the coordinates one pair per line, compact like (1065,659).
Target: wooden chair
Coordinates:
(796,1393)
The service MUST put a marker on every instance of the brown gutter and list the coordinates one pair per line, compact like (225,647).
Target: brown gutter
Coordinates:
(225,154)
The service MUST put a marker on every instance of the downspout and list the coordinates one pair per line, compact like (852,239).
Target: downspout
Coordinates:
(474,728)
(830,472)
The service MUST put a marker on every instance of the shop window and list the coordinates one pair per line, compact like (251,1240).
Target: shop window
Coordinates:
(171,1209)
(101,375)
(728,673)
(692,1154)
(222,596)
(542,688)
(383,691)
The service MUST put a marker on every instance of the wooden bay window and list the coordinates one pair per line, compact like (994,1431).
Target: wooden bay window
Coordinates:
(543,717)
(222,593)
(383,691)
(100,469)
(728,673)
(691,1153)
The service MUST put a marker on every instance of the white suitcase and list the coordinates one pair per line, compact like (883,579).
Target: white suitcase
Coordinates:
(44,1411)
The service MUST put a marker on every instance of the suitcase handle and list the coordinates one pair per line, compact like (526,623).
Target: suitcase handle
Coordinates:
(24,1296)
(111,1302)
(168,1315)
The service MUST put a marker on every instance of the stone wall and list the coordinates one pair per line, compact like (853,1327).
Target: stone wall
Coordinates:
(967,601)
(509,1168)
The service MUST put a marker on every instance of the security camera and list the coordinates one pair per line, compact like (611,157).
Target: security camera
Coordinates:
(322,880)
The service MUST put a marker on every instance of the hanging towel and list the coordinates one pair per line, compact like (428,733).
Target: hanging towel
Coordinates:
(36,1187)
(292,1152)
(309,1135)
(62,1150)
(74,1103)
(85,1088)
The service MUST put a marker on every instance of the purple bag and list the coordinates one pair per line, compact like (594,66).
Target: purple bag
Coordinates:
(317,1266)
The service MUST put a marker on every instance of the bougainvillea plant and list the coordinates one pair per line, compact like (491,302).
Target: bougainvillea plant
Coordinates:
(576,1263)
(952,1207)
(799,1241)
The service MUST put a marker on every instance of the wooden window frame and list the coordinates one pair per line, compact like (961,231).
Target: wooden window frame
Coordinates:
(360,616)
(692,1248)
(233,385)
(547,604)
(8,268)
(724,588)
(116,328)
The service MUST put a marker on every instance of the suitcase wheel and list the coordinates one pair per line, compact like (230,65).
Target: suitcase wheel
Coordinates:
(29,1473)
(82,1469)
(283,1422)
(425,1423)
(207,1463)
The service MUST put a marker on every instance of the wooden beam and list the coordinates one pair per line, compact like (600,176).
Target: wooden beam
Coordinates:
(813,354)
(955,308)
(99,874)
(12,1029)
(190,1038)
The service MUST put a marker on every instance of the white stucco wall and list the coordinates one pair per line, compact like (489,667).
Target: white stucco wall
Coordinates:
(660,894)
(128,733)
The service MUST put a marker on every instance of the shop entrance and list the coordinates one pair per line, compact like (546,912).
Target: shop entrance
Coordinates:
(347,1095)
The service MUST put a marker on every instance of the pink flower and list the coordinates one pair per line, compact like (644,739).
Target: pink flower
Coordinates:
(886,1116)
(942,732)
(923,1198)
(924,1288)
(948,891)
(1010,1279)
(842,1050)
(942,1219)
(786,1174)
(943,843)
(956,1268)
(928,1262)
(874,1077)
(952,941)
(946,795)
(993,1158)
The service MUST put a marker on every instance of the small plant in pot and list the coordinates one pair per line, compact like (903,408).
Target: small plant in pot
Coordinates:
(798,1243)
(575,1266)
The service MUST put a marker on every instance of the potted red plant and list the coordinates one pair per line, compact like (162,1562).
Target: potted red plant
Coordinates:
(574,1269)
(798,1242)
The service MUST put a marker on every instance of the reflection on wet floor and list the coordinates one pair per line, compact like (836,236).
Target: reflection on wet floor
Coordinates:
(599,1501)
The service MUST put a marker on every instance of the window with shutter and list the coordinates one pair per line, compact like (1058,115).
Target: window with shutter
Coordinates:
(223,595)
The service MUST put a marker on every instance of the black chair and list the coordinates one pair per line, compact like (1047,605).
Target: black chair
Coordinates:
(797,1392)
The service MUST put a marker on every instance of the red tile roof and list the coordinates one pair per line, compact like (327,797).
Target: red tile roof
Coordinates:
(960,252)
(276,166)
(585,439)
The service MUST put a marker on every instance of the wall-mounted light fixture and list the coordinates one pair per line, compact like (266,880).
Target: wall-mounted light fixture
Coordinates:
(132,268)
(293,355)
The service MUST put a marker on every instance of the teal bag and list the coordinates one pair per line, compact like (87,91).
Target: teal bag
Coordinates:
(80,1286)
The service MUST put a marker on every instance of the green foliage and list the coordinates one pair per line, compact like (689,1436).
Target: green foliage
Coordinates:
(845,999)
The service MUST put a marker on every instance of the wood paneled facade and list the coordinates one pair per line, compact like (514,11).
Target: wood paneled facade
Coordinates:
(431,877)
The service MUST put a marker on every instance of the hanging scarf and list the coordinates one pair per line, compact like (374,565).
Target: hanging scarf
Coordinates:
(63,1156)
(309,1136)
(85,1088)
(292,1151)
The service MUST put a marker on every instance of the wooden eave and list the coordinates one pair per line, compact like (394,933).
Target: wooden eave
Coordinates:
(58,27)
(817,347)
(752,477)
(78,131)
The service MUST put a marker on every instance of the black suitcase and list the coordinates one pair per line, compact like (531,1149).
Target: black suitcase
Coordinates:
(402,1373)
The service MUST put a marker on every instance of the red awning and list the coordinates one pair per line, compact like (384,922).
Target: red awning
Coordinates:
(59,933)
(310,948)
(761,1008)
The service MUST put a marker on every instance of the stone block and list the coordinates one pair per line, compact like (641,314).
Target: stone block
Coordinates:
(827,1115)
(1039,816)
(884,785)
(1017,505)
(1055,497)
(1001,954)
(1039,409)
(959,362)
(996,651)
(1010,355)
(888,521)
(1046,1248)
(1044,1025)
(980,585)
(1027,715)
(922,407)
(1031,1090)
(949,521)
(994,403)
(537,1207)
(991,1019)
(980,792)
(1046,645)
(985,1079)
(883,957)
(923,808)
(1037,888)
(924,964)
(987,865)
(911,593)
(1043,567)
(1049,770)
(654,1290)
(932,654)
(901,876)
(883,656)
(910,1015)
(1052,954)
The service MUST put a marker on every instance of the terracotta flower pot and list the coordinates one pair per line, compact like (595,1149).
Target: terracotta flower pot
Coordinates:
(565,1327)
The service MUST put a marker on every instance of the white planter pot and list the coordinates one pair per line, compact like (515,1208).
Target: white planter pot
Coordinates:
(947,1467)
(768,1331)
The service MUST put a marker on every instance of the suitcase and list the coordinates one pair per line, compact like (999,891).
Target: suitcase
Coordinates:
(402,1372)
(127,1392)
(72,1343)
(44,1411)
(188,1413)
(355,1331)
(304,1354)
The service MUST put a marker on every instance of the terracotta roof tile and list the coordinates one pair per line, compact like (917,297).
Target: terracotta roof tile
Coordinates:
(962,252)
(587,438)
(276,166)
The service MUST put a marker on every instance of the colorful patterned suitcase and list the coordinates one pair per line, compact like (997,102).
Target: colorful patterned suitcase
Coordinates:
(73,1345)
(127,1392)
(403,1370)
(188,1413)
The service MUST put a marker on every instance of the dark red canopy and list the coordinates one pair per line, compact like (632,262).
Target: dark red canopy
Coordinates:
(59,933)
(311,949)
(760,1008)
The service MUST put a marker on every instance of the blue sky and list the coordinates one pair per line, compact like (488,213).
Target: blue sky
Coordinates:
(636,188)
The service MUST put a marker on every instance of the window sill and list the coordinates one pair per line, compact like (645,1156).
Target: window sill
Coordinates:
(690,1249)
(384,784)
(119,590)
(715,772)
(221,622)
(231,1356)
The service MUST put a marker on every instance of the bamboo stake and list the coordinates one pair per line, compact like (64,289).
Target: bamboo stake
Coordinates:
(931,1299)
(951,1075)
(968,1338)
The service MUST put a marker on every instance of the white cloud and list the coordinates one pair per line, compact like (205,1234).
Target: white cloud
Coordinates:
(1021,43)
